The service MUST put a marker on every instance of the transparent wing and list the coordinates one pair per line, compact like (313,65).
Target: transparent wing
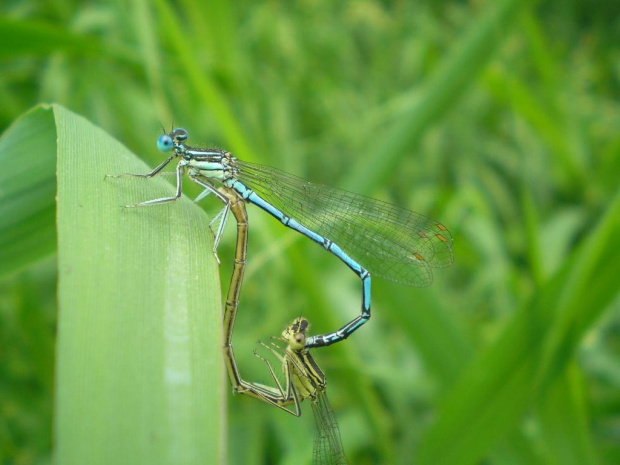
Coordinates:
(391,242)
(328,448)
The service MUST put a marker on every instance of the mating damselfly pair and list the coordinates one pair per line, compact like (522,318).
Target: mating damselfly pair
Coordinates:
(303,379)
(368,235)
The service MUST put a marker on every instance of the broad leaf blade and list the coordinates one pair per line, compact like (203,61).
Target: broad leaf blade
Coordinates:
(139,372)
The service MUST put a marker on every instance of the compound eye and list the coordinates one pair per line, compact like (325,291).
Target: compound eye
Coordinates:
(180,134)
(165,143)
(298,341)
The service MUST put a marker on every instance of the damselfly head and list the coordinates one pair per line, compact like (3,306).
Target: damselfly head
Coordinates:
(299,325)
(166,142)
(295,333)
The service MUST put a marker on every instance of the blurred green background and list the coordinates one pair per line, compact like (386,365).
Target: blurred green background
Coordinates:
(500,119)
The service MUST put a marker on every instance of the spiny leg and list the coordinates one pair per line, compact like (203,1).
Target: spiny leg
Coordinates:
(147,175)
(279,396)
(276,350)
(179,175)
(287,374)
(227,196)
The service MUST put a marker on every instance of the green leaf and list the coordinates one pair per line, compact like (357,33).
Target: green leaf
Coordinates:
(564,420)
(39,38)
(493,394)
(27,186)
(448,83)
(139,377)
(139,372)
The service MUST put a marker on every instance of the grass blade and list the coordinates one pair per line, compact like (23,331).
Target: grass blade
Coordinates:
(27,186)
(139,374)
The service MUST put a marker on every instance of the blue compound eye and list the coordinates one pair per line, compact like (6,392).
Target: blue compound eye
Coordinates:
(164,143)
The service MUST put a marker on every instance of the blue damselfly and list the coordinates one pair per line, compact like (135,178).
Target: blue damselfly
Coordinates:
(368,235)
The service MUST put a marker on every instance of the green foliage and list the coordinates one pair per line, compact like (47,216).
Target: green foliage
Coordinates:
(137,362)
(27,226)
(499,119)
